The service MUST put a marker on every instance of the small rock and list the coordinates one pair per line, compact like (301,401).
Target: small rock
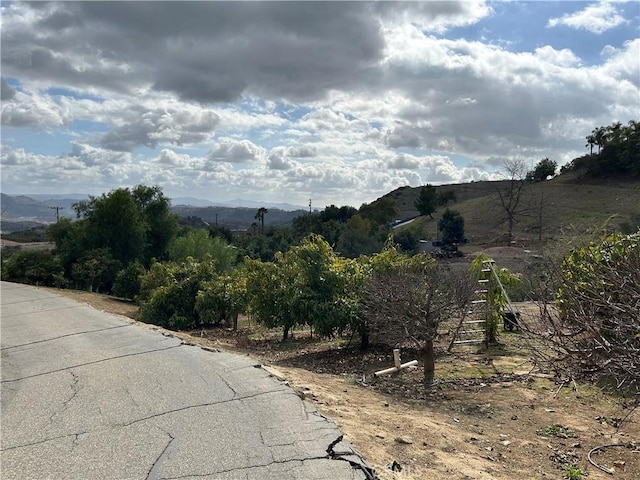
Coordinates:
(506,443)
(404,440)
(619,463)
(514,417)
(379,435)
(385,404)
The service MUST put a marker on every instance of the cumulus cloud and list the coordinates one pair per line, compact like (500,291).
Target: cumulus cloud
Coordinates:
(236,151)
(90,155)
(596,18)
(314,99)
(178,127)
(33,110)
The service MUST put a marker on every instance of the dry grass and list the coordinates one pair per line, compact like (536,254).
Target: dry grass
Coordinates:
(570,207)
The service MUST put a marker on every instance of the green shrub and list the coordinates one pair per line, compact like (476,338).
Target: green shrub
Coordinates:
(597,336)
(169,292)
(34,267)
(127,284)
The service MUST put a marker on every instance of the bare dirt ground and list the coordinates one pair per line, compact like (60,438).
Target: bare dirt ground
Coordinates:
(490,416)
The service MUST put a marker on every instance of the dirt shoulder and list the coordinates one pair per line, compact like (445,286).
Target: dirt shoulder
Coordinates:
(489,417)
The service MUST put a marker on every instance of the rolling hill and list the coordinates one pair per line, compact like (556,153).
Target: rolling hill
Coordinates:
(566,205)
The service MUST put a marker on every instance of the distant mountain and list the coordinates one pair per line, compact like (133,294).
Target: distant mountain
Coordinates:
(21,207)
(21,211)
(237,203)
(237,217)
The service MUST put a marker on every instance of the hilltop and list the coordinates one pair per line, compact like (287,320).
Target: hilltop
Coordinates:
(567,204)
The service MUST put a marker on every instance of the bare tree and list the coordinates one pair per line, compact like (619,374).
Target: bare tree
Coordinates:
(509,195)
(406,305)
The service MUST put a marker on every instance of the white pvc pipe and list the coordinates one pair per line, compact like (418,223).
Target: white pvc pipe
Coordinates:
(394,369)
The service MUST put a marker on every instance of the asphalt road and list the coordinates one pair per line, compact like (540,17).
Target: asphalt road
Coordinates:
(89,395)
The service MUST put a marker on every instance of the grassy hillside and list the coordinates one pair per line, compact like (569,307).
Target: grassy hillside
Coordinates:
(566,205)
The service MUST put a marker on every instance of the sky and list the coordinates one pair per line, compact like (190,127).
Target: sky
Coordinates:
(329,102)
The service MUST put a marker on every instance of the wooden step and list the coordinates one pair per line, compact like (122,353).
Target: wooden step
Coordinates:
(470,332)
(469,322)
(483,281)
(462,342)
(475,302)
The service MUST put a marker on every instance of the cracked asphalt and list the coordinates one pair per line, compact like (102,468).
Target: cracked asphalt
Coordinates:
(89,395)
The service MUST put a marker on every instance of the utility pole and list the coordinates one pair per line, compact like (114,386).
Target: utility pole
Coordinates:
(309,205)
(57,209)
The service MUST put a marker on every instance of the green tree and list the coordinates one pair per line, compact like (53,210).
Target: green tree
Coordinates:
(260,217)
(446,197)
(408,240)
(160,225)
(71,242)
(361,237)
(199,245)
(305,285)
(452,227)
(544,169)
(96,270)
(168,293)
(114,222)
(427,202)
(382,211)
(270,289)
(223,298)
(132,225)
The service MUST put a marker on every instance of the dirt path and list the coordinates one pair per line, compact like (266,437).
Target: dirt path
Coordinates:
(485,420)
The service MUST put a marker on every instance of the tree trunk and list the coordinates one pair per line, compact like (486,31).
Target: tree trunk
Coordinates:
(429,360)
(235,321)
(285,333)
(364,341)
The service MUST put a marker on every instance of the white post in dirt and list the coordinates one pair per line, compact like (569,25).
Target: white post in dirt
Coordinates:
(398,366)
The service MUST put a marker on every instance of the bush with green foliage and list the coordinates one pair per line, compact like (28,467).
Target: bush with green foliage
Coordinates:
(95,271)
(168,293)
(223,298)
(408,239)
(127,284)
(199,245)
(304,286)
(451,225)
(593,333)
(34,267)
